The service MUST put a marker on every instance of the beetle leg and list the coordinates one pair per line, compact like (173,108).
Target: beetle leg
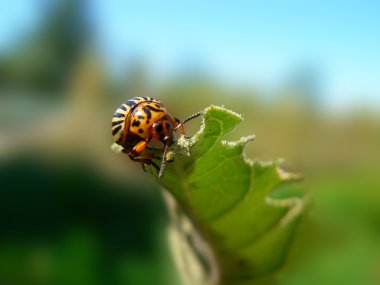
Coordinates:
(163,162)
(148,162)
(154,148)
(140,146)
(145,158)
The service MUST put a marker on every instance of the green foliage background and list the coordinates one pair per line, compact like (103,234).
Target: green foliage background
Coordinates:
(72,212)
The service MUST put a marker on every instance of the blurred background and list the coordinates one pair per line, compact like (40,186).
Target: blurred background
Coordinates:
(304,75)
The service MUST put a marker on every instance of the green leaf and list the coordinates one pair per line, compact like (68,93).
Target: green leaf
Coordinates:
(246,211)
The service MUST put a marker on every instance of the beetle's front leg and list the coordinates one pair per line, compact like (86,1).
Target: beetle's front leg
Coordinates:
(144,158)
(155,148)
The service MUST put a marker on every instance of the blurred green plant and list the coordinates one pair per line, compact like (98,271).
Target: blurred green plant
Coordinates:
(236,216)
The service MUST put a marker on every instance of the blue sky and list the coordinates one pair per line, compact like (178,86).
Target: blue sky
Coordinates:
(256,42)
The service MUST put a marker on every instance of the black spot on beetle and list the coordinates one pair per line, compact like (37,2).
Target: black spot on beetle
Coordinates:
(136,123)
(147,122)
(141,131)
(140,117)
(158,105)
(168,126)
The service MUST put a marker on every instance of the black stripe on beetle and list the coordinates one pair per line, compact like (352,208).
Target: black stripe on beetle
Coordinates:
(130,103)
(147,112)
(115,130)
(118,115)
(123,108)
(154,109)
(117,123)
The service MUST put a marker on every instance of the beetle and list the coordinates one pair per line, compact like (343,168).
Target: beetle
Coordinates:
(138,121)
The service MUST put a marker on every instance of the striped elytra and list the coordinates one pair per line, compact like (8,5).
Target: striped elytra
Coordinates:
(122,116)
(139,120)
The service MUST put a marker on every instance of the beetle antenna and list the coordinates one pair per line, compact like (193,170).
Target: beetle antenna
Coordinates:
(187,119)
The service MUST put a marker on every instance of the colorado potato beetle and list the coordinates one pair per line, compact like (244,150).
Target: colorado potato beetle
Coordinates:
(138,121)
